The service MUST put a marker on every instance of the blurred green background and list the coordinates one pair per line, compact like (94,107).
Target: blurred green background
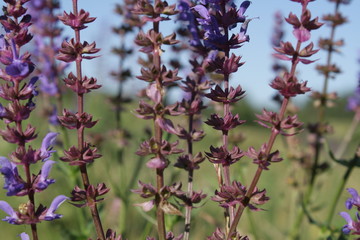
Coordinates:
(283,182)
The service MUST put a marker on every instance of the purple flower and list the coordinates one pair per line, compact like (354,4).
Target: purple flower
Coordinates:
(31,86)
(354,100)
(355,200)
(187,15)
(2,111)
(13,217)
(19,67)
(24,236)
(53,118)
(42,181)
(50,214)
(351,224)
(13,182)
(47,86)
(46,148)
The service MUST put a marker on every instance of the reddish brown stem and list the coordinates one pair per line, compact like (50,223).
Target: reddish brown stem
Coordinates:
(160,216)
(80,136)
(267,152)
(26,168)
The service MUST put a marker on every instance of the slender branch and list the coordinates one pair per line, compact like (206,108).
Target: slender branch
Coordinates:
(158,139)
(190,181)
(80,136)
(269,146)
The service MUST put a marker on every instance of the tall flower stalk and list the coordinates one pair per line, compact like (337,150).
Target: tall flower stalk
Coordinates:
(352,105)
(47,43)
(20,93)
(322,100)
(288,86)
(216,19)
(158,77)
(194,88)
(84,153)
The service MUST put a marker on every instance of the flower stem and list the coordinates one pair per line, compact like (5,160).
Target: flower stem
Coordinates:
(348,136)
(21,145)
(190,181)
(80,136)
(257,174)
(318,143)
(269,146)
(160,216)
(339,153)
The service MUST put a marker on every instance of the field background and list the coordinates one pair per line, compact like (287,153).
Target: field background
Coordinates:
(118,174)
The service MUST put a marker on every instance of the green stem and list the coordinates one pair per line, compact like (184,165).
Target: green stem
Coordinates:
(338,192)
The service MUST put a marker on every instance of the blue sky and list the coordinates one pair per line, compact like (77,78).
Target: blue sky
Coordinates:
(256,74)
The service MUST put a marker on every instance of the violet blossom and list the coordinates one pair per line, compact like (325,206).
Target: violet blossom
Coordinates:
(14,184)
(24,236)
(354,100)
(352,226)
(42,182)
(46,146)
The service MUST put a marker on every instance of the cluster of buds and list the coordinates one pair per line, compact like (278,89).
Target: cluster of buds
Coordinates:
(235,194)
(47,43)
(20,93)
(71,51)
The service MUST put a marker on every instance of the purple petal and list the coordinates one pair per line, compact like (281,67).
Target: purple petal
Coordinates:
(353,192)
(47,86)
(12,218)
(17,68)
(306,61)
(349,203)
(203,11)
(166,125)
(53,118)
(347,218)
(45,170)
(2,42)
(2,111)
(146,206)
(24,236)
(12,181)
(50,213)
(153,93)
(302,34)
(45,150)
(282,57)
(244,5)
(156,163)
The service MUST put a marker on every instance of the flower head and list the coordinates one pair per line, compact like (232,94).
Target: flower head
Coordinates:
(46,146)
(354,101)
(13,182)
(13,217)
(49,214)
(351,224)
(42,181)
(354,200)
(24,236)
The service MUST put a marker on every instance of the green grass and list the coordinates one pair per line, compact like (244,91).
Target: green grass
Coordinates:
(122,173)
